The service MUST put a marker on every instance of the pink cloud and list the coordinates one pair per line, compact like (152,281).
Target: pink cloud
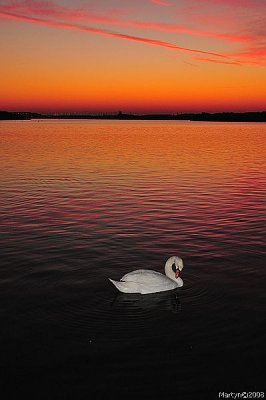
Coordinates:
(253,52)
(246,17)
(250,28)
(105,32)
(51,10)
(237,3)
(160,2)
(252,55)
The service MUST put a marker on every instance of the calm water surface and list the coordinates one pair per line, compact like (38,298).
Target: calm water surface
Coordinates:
(82,201)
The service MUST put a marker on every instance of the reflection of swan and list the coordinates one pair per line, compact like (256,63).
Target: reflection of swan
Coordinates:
(164,301)
(146,281)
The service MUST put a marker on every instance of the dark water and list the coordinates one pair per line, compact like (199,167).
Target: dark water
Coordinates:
(82,201)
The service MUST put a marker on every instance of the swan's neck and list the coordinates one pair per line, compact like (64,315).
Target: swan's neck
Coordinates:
(169,271)
(168,268)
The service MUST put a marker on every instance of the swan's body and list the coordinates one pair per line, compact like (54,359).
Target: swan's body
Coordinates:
(146,281)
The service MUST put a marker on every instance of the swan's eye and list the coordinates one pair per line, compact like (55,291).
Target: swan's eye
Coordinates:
(174,267)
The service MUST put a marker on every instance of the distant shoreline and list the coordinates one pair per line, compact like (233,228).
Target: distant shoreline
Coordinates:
(259,116)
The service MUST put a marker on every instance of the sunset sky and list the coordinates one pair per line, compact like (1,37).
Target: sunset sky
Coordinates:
(134,56)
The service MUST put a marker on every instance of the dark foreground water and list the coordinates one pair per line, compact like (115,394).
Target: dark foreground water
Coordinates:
(82,201)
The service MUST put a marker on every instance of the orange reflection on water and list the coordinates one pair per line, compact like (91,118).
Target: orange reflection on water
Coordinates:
(125,147)
(165,182)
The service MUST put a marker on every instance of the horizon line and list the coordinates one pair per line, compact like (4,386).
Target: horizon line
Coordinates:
(120,112)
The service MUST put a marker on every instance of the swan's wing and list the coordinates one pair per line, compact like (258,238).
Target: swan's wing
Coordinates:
(146,276)
(144,281)
(135,287)
(155,288)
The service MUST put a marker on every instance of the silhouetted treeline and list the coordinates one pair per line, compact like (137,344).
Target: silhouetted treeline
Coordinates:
(218,117)
(226,117)
(6,115)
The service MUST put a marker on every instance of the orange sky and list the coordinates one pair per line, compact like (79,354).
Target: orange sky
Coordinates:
(134,56)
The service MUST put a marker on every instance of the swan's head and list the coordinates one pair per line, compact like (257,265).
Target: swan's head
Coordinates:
(176,264)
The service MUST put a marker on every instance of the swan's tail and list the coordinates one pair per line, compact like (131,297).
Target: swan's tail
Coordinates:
(125,287)
(115,283)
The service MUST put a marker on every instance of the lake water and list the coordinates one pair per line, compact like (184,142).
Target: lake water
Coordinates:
(85,200)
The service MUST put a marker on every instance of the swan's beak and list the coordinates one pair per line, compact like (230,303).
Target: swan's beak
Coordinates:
(177,273)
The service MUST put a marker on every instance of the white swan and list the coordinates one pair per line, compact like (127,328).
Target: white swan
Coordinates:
(146,281)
